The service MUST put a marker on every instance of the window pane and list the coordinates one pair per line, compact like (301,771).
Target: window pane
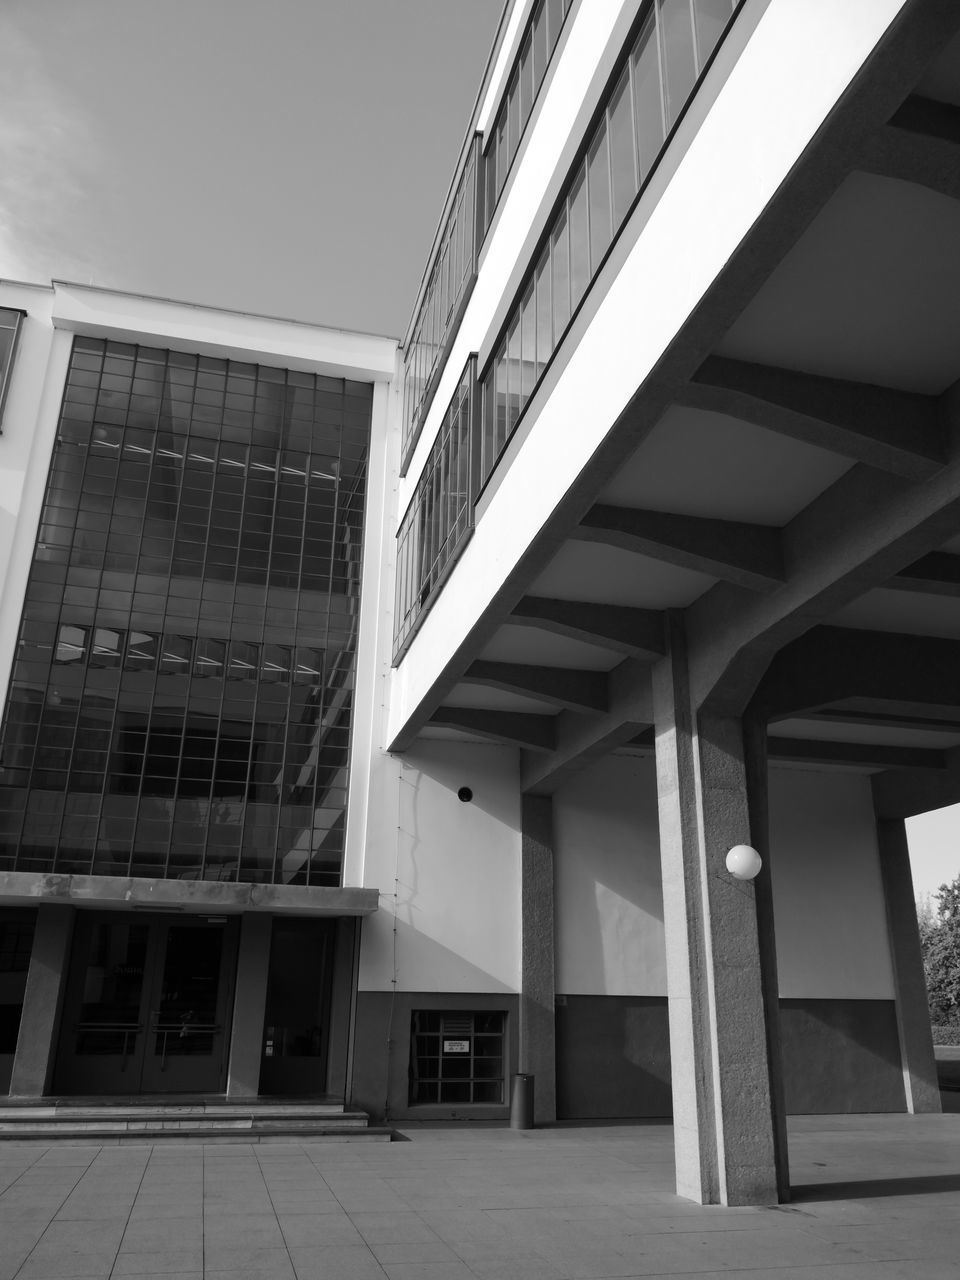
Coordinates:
(648,107)
(579,242)
(560,262)
(540,54)
(513,366)
(598,181)
(710,17)
(622,151)
(676,35)
(544,338)
(528,343)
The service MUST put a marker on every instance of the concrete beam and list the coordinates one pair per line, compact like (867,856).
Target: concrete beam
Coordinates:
(903,793)
(897,431)
(864,672)
(582,739)
(747,555)
(921,144)
(867,755)
(863,530)
(636,633)
(512,728)
(937,574)
(577,690)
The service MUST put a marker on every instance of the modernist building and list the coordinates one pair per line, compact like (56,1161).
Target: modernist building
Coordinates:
(379,720)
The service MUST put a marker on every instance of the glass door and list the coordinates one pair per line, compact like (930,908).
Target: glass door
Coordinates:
(101,1037)
(146,1006)
(185,1050)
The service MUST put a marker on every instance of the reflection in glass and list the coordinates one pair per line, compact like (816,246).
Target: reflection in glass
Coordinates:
(201,532)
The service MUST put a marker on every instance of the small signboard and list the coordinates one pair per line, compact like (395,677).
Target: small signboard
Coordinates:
(456,1046)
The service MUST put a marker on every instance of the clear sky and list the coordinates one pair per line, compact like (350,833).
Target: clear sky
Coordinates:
(934,840)
(288,157)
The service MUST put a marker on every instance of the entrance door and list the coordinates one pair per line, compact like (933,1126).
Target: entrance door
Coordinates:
(146,1006)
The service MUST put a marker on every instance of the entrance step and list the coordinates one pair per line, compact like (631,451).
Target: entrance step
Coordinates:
(93,1120)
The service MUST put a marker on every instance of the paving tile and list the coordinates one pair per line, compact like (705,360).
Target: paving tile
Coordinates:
(149,1261)
(325,1229)
(351,1262)
(428,1271)
(432,1250)
(382,1227)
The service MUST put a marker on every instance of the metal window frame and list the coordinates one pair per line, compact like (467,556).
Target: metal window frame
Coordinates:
(561,205)
(5,373)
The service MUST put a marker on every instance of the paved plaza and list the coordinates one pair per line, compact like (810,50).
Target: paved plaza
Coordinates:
(876,1198)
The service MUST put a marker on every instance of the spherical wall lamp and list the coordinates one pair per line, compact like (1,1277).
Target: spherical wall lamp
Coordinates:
(743,862)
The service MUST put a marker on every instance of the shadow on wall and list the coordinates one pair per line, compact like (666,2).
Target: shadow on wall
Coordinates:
(609,899)
(613,1058)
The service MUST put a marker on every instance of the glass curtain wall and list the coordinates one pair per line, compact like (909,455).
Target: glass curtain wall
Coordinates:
(180,702)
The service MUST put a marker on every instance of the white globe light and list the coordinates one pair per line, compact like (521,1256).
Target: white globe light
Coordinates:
(743,862)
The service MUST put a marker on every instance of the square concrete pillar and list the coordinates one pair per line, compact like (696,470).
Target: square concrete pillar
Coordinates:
(724,1107)
(538,1052)
(40,1023)
(249,1006)
(920,1085)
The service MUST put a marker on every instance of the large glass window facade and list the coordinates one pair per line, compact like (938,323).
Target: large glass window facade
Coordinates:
(180,702)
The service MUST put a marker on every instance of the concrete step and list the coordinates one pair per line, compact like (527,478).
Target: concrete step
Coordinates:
(110,1137)
(198,1121)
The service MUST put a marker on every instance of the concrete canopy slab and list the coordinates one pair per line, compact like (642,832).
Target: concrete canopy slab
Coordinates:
(107,892)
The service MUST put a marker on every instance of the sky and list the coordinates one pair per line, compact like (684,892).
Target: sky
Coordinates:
(934,840)
(286,157)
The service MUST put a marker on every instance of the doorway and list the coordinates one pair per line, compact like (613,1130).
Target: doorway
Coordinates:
(146,1005)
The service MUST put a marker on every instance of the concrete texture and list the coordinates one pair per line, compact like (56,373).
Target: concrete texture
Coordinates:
(538,1054)
(37,1038)
(913,1019)
(875,1198)
(249,1002)
(722,1099)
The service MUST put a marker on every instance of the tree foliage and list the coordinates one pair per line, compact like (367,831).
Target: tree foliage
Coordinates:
(939,923)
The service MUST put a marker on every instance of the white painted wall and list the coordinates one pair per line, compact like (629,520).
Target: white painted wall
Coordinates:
(609,905)
(448,872)
(828,898)
(731,161)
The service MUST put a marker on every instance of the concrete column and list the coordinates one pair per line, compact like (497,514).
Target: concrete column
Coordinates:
(724,1131)
(913,1019)
(342,989)
(756,763)
(37,1041)
(538,1050)
(249,1004)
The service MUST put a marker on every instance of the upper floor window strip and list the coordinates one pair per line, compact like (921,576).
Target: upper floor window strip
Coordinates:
(539,40)
(654,80)
(10,321)
(439,519)
(450,279)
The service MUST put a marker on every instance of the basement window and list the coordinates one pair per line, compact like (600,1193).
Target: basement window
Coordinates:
(456,1058)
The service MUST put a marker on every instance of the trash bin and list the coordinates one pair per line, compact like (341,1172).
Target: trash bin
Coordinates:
(521,1102)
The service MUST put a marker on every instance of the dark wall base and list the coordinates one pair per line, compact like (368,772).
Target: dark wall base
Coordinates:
(613,1057)
(841,1056)
(381,1059)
